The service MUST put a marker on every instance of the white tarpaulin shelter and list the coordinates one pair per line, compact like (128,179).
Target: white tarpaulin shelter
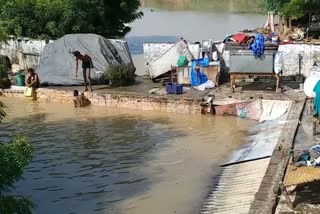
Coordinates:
(57,63)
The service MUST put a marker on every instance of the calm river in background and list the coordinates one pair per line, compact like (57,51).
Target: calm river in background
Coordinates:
(105,161)
(194,20)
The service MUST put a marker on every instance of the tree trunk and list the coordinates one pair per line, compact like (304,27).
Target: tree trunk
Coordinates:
(290,22)
(281,25)
(271,23)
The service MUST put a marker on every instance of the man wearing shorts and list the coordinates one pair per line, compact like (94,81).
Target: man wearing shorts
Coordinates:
(86,66)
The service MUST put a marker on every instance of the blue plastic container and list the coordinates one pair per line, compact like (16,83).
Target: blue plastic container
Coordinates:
(20,79)
(173,88)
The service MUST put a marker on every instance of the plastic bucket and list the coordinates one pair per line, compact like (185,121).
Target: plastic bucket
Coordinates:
(20,79)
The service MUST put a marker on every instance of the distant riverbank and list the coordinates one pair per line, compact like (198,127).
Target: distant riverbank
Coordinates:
(225,6)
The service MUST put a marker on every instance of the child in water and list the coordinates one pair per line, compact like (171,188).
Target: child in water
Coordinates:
(80,101)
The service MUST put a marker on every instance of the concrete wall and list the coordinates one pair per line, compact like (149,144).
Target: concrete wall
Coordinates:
(153,51)
(25,52)
(159,104)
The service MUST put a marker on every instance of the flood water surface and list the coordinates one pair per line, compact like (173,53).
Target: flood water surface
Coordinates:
(99,160)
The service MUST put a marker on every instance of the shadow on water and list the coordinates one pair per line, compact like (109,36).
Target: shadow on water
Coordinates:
(98,161)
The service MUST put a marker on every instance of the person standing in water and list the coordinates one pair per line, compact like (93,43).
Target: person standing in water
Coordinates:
(86,66)
(32,79)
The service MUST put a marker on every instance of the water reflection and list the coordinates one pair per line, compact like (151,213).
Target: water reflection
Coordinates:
(211,20)
(99,160)
(86,160)
(223,6)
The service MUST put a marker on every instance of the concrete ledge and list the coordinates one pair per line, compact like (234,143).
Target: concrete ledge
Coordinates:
(266,198)
(151,103)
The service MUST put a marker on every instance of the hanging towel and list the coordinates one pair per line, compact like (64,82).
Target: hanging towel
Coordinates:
(316,102)
(257,46)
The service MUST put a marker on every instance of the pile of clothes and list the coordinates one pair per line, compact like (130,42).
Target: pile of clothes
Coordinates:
(257,46)
(254,43)
(240,38)
(309,157)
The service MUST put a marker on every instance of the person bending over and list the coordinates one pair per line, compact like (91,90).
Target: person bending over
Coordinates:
(32,79)
(87,65)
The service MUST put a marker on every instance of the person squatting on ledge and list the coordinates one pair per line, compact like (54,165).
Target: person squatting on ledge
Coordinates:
(80,101)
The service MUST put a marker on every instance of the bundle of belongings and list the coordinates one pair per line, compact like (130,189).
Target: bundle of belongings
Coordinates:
(240,38)
(258,44)
(199,79)
(309,157)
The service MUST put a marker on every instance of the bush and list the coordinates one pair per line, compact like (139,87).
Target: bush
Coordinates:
(120,75)
(14,157)
(4,68)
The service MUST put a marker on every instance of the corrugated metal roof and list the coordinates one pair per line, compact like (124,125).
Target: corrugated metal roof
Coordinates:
(236,188)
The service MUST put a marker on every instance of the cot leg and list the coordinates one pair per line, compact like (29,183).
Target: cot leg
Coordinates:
(277,81)
(232,82)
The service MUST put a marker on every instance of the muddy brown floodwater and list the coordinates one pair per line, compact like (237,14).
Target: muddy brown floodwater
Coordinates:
(99,160)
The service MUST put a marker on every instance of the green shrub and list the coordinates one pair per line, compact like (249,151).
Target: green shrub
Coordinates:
(4,67)
(4,83)
(120,75)
(14,157)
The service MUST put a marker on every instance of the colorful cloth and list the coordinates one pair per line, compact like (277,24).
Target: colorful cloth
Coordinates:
(197,78)
(204,62)
(239,38)
(257,46)
(316,102)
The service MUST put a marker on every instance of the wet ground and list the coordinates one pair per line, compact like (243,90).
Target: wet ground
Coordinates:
(245,90)
(141,88)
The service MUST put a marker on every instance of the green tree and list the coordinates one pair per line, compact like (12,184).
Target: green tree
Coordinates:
(273,5)
(55,18)
(14,156)
(296,8)
(299,8)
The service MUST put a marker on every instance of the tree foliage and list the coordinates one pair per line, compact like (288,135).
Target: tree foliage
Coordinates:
(2,112)
(272,5)
(297,8)
(5,66)
(14,157)
(55,18)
